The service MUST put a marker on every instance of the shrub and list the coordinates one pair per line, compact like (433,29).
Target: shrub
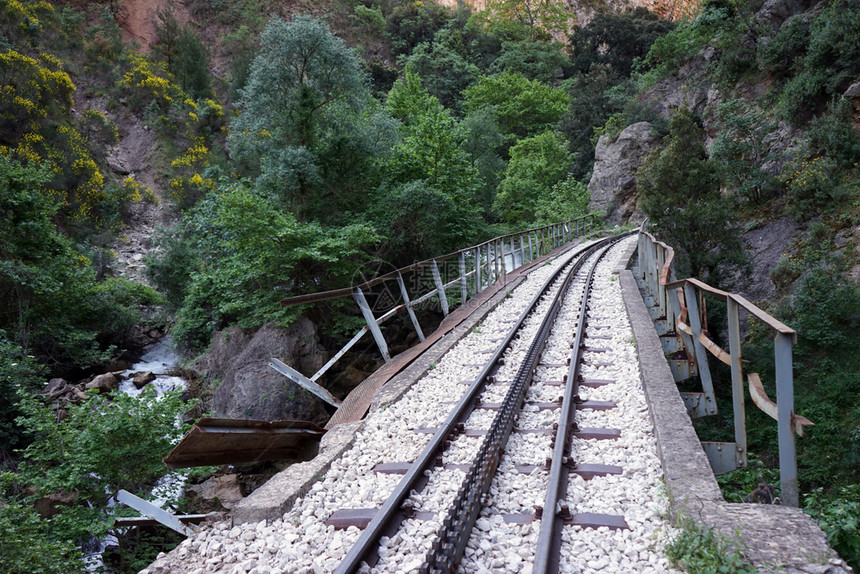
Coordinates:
(831,62)
(812,185)
(697,548)
(838,515)
(29,546)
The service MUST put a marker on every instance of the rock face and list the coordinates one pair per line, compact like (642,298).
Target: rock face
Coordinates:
(613,183)
(765,246)
(250,389)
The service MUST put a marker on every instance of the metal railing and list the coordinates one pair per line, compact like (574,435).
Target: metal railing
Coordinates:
(467,272)
(678,310)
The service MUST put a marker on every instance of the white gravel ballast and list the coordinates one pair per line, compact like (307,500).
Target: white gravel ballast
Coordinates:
(301,541)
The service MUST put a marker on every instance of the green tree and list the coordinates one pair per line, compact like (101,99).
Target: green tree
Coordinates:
(485,144)
(680,194)
(247,255)
(303,86)
(740,150)
(538,164)
(568,199)
(538,19)
(190,66)
(102,445)
(616,40)
(412,23)
(443,66)
(536,60)
(831,62)
(522,107)
(592,103)
(29,546)
(18,372)
(51,303)
(428,161)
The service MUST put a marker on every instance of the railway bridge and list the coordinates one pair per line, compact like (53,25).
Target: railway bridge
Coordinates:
(539,428)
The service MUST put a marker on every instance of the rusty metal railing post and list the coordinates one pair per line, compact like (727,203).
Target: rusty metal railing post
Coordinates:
(785,410)
(440,287)
(738,406)
(367,312)
(409,308)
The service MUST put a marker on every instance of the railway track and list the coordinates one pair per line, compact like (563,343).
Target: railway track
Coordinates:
(526,449)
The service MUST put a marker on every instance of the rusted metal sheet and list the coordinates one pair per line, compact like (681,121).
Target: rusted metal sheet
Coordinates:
(215,441)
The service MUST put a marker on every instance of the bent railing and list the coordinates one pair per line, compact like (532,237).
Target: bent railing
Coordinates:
(680,303)
(451,278)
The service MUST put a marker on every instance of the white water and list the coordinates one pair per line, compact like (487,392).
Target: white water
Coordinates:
(159,360)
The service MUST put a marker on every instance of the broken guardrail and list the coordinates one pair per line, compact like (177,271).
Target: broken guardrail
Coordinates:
(466,272)
(678,311)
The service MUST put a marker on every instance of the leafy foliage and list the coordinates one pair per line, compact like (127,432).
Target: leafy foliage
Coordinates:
(831,61)
(538,164)
(543,61)
(616,41)
(19,372)
(75,455)
(740,150)
(838,515)
(697,548)
(428,156)
(681,197)
(245,255)
(49,295)
(522,107)
(527,18)
(443,66)
(305,87)
(29,546)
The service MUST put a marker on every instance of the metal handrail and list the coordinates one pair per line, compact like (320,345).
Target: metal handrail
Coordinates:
(488,261)
(586,220)
(678,301)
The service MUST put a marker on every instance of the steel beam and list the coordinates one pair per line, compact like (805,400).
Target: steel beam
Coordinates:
(367,312)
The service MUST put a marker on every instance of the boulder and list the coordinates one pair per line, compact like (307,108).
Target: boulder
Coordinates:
(49,506)
(853,91)
(55,388)
(224,490)
(250,389)
(104,383)
(774,13)
(613,181)
(140,380)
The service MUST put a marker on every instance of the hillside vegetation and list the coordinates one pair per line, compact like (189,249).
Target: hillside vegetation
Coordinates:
(294,144)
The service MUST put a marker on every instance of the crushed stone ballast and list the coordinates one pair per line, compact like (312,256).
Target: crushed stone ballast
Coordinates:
(304,540)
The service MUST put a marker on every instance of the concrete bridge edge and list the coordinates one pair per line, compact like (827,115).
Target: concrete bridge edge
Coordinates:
(773,538)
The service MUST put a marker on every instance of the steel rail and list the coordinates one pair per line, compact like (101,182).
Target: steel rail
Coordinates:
(448,548)
(390,515)
(554,510)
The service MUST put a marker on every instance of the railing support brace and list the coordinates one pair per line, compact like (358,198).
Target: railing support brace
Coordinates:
(372,324)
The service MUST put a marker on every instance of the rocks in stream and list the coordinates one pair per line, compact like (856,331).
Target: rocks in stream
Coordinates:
(141,379)
(103,383)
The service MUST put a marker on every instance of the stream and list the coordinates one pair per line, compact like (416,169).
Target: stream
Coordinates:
(160,360)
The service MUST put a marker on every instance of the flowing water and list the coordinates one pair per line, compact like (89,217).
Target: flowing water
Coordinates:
(160,360)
